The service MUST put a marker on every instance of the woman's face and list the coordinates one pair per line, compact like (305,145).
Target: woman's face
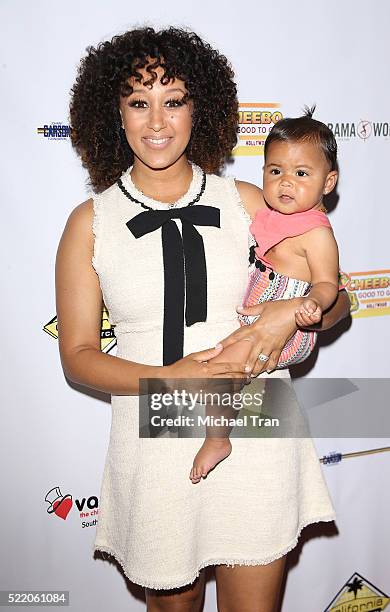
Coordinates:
(157,121)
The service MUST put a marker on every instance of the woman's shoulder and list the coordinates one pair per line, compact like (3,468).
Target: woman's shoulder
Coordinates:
(251,196)
(79,224)
(248,194)
(92,208)
(82,213)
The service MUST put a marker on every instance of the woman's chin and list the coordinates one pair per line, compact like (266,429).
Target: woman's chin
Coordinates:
(160,162)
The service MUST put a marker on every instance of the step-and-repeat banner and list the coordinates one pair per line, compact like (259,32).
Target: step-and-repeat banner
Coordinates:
(54,434)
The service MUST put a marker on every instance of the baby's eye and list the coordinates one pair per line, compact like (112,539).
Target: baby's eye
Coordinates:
(301,173)
(138,104)
(275,171)
(175,102)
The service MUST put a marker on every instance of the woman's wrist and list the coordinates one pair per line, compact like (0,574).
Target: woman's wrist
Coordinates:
(164,373)
(148,372)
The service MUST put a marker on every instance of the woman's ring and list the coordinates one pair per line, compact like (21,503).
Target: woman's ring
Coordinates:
(263,357)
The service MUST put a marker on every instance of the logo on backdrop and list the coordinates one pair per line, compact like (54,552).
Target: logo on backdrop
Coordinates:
(55,131)
(369,292)
(60,505)
(255,121)
(358,594)
(107,336)
(362,130)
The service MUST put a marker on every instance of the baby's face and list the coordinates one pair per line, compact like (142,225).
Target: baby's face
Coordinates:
(296,176)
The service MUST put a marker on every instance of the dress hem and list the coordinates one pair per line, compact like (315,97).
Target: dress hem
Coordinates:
(217,561)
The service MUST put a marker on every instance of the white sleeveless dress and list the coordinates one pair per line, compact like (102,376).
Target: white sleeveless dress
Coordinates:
(251,508)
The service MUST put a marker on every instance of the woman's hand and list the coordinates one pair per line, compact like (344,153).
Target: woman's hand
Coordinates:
(195,365)
(269,333)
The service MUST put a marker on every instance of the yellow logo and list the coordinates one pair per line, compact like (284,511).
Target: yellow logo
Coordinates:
(358,595)
(255,121)
(369,292)
(107,336)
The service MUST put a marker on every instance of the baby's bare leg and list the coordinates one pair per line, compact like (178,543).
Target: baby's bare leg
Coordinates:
(217,445)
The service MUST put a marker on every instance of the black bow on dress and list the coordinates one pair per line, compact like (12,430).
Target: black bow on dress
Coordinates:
(184,267)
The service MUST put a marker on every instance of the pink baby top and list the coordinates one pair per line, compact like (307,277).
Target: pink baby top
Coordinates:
(270,227)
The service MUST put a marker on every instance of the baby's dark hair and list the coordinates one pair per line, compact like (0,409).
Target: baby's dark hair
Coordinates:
(103,76)
(303,128)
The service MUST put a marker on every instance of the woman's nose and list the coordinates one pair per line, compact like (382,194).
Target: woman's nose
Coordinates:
(156,119)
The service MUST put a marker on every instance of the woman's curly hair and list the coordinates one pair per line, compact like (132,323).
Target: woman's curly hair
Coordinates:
(102,77)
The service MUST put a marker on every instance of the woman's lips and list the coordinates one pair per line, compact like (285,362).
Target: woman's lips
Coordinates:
(157,143)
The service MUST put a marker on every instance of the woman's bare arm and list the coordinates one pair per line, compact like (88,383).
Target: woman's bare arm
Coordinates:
(79,311)
(251,196)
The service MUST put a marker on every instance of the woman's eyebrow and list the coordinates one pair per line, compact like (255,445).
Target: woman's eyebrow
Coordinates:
(171,90)
(175,89)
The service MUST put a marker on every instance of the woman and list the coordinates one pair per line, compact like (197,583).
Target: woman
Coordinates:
(153,116)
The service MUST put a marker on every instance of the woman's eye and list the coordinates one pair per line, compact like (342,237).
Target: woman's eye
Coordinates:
(275,171)
(175,103)
(137,104)
(301,173)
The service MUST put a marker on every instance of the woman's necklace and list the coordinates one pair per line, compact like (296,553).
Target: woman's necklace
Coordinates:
(170,206)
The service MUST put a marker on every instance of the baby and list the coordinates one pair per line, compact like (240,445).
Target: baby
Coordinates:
(296,253)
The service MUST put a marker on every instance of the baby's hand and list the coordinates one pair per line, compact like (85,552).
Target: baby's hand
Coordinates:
(309,313)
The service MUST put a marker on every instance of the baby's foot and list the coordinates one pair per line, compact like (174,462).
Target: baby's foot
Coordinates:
(210,453)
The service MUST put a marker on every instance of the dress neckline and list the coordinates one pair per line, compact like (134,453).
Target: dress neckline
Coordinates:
(184,200)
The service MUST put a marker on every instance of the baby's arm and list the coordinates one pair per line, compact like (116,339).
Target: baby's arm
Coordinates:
(323,260)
